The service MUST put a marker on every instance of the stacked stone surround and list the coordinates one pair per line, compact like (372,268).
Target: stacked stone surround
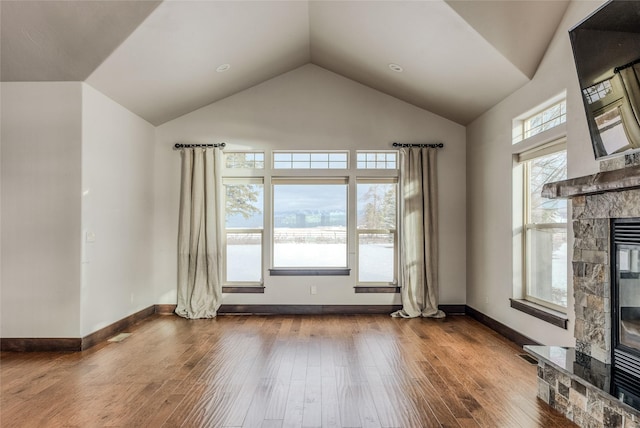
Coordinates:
(596,199)
(592,216)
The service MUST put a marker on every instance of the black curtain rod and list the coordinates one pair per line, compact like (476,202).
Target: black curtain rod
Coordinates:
(433,146)
(188,146)
(622,67)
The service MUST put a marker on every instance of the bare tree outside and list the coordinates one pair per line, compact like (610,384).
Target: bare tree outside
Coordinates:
(547,169)
(241,199)
(546,232)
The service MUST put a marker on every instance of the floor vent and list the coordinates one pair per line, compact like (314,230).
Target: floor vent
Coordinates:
(119,338)
(528,358)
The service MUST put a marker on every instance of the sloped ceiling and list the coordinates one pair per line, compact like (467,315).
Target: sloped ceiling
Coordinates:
(63,40)
(159,59)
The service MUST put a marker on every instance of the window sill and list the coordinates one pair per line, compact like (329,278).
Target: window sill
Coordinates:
(377,289)
(538,311)
(310,272)
(243,289)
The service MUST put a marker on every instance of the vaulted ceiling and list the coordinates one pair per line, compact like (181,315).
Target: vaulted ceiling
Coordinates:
(160,59)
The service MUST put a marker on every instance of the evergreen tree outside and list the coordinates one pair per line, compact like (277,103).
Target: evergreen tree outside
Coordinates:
(378,207)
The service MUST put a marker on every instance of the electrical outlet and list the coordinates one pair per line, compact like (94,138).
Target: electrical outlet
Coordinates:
(313,290)
(486,299)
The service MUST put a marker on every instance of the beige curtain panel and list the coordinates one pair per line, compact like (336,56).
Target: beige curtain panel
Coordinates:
(200,235)
(419,233)
(630,110)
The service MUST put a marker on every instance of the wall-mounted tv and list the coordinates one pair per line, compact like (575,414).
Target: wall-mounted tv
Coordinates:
(606,49)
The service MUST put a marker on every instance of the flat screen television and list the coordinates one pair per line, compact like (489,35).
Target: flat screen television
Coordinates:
(606,49)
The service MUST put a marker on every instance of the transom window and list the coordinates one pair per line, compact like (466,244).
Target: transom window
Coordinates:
(244,160)
(377,160)
(546,119)
(310,160)
(542,118)
(597,91)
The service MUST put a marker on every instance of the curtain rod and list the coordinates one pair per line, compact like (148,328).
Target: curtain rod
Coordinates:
(622,67)
(187,146)
(433,146)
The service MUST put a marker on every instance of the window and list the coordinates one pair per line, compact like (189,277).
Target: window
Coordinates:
(311,213)
(376,231)
(546,116)
(249,160)
(546,119)
(309,223)
(244,220)
(544,228)
(310,160)
(377,160)
(598,91)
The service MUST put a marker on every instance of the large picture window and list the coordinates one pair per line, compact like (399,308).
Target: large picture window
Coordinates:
(309,223)
(545,230)
(303,213)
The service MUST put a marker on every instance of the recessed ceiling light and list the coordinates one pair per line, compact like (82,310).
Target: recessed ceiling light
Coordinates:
(396,68)
(223,67)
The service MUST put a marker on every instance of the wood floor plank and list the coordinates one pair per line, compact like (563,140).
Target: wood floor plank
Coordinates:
(295,405)
(312,415)
(347,399)
(281,371)
(330,403)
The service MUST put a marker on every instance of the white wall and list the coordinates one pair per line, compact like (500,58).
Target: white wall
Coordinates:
(117,211)
(489,183)
(41,149)
(312,108)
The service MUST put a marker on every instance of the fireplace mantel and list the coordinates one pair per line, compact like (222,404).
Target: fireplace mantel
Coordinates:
(606,181)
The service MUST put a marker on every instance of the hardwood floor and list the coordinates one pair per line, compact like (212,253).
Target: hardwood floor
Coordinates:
(281,371)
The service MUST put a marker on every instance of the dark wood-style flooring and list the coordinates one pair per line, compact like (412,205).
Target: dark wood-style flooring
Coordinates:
(281,371)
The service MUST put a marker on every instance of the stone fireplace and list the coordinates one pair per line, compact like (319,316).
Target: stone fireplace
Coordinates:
(584,383)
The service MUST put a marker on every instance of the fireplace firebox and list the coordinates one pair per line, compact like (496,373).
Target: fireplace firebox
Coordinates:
(625,300)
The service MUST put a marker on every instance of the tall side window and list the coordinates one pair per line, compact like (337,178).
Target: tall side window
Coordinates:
(244,225)
(545,229)
(377,239)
